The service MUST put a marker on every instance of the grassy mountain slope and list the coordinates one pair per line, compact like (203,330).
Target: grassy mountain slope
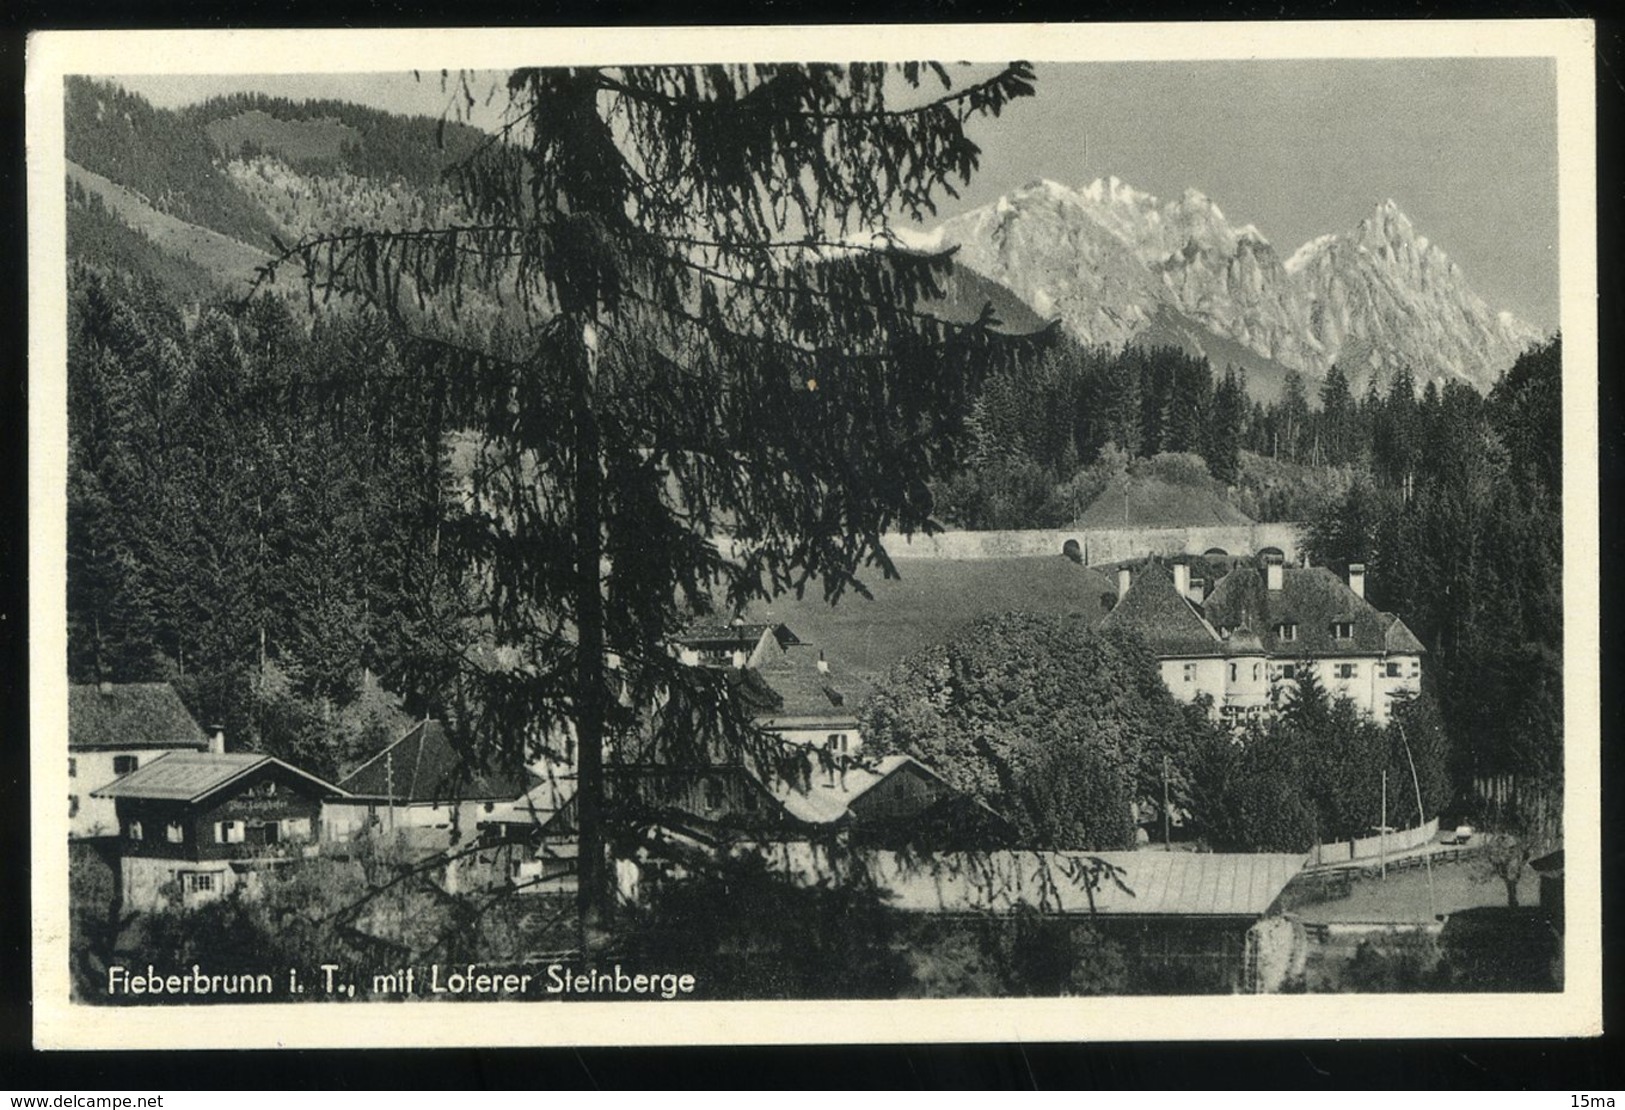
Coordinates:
(161,157)
(222,257)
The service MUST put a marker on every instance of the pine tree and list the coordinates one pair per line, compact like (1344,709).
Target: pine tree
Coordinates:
(703,325)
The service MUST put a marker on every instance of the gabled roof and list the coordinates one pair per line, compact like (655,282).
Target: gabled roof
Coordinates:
(1313,599)
(932,600)
(191,776)
(825,802)
(423,766)
(130,715)
(1155,611)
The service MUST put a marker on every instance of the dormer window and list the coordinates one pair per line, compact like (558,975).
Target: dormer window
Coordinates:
(1286,632)
(1342,630)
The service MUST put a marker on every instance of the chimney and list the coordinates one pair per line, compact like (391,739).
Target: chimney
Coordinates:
(1197,594)
(1357,579)
(1123,576)
(823,664)
(1272,575)
(217,739)
(1182,579)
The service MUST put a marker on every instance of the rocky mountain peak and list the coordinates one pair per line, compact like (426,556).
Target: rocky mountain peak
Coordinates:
(1110,259)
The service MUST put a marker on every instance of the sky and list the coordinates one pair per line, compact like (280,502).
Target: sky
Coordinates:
(1466,147)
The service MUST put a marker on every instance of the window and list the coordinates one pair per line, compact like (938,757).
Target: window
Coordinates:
(175,832)
(73,805)
(713,795)
(1392,670)
(228,832)
(1286,633)
(1232,672)
(73,767)
(124,764)
(199,882)
(1348,670)
(490,807)
(1289,670)
(1190,672)
(1256,671)
(135,830)
(1342,630)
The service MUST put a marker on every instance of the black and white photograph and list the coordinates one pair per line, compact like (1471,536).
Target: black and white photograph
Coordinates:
(1059,532)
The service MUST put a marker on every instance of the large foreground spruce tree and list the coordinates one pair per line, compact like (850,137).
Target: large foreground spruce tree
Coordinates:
(694,366)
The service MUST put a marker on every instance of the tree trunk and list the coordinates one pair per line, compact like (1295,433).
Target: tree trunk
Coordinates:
(592,871)
(1512,891)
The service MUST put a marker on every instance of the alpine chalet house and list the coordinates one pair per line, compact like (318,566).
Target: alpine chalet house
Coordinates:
(422,790)
(117,728)
(193,826)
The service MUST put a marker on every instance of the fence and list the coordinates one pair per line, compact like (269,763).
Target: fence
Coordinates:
(1368,847)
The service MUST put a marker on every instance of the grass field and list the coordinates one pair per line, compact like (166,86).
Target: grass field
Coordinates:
(1403,896)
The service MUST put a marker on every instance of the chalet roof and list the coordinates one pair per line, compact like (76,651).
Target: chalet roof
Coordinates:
(423,766)
(1147,502)
(1163,884)
(1157,612)
(185,776)
(130,715)
(932,600)
(1313,599)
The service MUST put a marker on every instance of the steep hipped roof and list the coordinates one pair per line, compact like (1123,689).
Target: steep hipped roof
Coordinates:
(1399,638)
(422,766)
(932,600)
(1313,599)
(190,776)
(1147,502)
(800,691)
(1159,615)
(130,715)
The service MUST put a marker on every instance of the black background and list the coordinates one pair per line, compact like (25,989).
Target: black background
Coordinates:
(1577,1066)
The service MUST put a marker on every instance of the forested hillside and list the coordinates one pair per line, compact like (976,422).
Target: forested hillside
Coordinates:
(253,508)
(239,523)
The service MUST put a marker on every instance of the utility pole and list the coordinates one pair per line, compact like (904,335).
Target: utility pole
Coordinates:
(1383,829)
(1427,857)
(1167,841)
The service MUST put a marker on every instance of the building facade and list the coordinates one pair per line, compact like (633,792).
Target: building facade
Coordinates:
(194,826)
(1246,641)
(117,728)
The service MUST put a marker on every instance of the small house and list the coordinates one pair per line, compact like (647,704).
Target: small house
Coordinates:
(194,826)
(425,791)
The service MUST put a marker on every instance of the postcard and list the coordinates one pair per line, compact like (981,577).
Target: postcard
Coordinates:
(826,534)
